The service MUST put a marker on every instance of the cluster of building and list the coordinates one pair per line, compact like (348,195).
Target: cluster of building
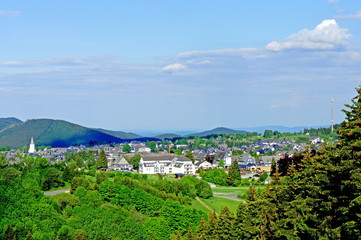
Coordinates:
(166,163)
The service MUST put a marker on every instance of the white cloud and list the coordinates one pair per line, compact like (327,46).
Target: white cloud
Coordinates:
(176,67)
(4,13)
(327,35)
(350,16)
(274,106)
(198,62)
(228,51)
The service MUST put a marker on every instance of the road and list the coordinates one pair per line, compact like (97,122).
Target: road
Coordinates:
(50,193)
(231,196)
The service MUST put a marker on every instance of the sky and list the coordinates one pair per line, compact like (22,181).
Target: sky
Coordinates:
(179,65)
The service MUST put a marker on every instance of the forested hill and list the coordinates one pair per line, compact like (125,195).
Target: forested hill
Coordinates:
(119,134)
(219,130)
(6,122)
(168,136)
(55,133)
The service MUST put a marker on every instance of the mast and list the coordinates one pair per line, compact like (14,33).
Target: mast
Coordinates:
(332,122)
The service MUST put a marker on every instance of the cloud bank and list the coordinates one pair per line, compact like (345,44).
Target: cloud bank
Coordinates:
(327,35)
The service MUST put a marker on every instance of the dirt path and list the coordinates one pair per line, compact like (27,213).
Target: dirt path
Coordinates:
(56,192)
(231,196)
(205,205)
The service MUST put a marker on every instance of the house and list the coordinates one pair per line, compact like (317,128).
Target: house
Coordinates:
(144,149)
(203,165)
(247,159)
(165,164)
(227,160)
(119,164)
(315,140)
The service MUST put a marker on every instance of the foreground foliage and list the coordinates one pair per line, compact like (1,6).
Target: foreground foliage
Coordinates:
(319,196)
(105,206)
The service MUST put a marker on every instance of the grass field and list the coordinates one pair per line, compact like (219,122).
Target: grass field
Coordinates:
(197,205)
(241,191)
(216,203)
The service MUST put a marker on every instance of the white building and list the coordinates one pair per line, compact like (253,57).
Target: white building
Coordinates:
(166,164)
(32,146)
(119,163)
(203,165)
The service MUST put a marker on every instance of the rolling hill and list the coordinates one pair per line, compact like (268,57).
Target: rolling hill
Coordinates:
(6,122)
(55,133)
(168,135)
(219,130)
(119,134)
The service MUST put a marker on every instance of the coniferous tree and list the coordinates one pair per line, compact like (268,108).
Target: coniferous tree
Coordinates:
(102,161)
(327,186)
(212,225)
(273,166)
(234,174)
(225,223)
(10,233)
(202,230)
(317,197)
(189,235)
(79,161)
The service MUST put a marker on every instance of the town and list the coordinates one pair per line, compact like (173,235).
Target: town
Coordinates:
(180,155)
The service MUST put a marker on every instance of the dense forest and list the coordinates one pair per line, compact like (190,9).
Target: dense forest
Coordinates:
(104,205)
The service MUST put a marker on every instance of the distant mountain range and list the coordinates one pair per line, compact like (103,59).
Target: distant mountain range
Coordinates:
(168,136)
(59,133)
(219,130)
(281,129)
(119,134)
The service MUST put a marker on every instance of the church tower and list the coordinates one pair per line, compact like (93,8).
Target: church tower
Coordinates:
(32,146)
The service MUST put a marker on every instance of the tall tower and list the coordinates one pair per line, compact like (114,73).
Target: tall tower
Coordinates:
(32,146)
(332,122)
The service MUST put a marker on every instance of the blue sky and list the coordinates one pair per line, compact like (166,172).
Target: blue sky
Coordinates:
(179,65)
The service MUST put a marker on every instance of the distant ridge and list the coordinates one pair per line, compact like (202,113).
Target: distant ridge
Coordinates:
(168,135)
(55,133)
(219,130)
(6,122)
(119,134)
(281,129)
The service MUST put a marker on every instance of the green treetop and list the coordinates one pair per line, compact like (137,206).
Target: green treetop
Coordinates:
(126,148)
(234,174)
(102,161)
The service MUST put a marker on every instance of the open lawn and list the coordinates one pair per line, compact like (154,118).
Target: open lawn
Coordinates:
(239,191)
(216,203)
(197,205)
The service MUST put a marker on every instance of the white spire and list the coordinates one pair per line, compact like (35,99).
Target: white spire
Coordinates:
(32,146)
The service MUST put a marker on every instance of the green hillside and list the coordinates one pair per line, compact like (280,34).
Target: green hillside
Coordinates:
(6,122)
(119,134)
(56,133)
(219,130)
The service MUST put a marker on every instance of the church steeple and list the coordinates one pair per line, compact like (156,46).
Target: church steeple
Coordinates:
(32,146)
